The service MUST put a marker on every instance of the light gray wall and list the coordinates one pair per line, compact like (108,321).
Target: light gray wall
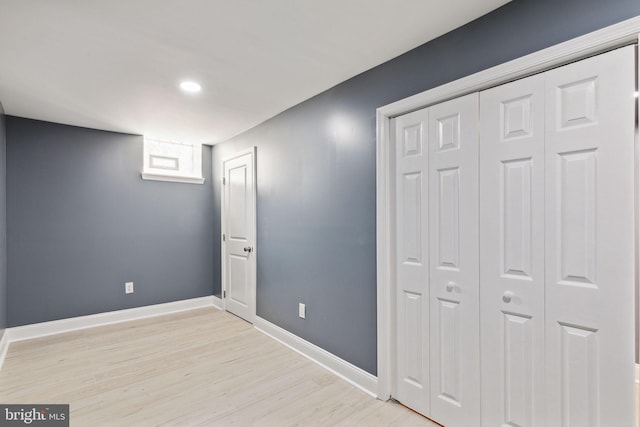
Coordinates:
(316,171)
(3,223)
(81,222)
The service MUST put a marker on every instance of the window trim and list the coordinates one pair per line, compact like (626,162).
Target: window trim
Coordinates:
(171,178)
(156,174)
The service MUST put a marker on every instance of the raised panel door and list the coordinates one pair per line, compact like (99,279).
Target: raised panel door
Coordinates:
(512,253)
(589,256)
(239,229)
(453,237)
(412,261)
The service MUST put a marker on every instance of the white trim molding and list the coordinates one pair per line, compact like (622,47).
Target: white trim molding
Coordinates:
(171,178)
(43,329)
(218,303)
(4,346)
(343,369)
(614,36)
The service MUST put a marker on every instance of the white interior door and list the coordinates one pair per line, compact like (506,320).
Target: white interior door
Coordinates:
(412,261)
(239,235)
(453,249)
(589,200)
(548,251)
(512,253)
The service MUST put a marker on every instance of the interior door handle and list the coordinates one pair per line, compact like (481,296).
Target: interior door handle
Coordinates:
(248,249)
(508,295)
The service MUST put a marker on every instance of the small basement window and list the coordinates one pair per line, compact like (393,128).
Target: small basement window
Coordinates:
(172,161)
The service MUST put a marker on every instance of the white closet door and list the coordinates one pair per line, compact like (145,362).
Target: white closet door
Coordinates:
(453,234)
(590,241)
(512,253)
(412,272)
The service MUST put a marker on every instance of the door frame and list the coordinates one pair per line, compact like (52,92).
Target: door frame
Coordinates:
(253,259)
(614,36)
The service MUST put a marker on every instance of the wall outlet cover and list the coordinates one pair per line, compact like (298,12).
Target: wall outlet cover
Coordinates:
(128,288)
(302,310)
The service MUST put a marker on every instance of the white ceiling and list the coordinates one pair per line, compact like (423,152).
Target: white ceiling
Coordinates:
(116,64)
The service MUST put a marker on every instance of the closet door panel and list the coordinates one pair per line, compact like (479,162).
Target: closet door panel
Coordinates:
(453,240)
(589,298)
(412,296)
(512,253)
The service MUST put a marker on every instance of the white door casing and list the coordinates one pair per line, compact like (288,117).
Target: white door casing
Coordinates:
(239,234)
(512,253)
(637,222)
(589,257)
(453,252)
(412,261)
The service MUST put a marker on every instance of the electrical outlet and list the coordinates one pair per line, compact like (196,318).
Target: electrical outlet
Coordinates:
(302,310)
(128,288)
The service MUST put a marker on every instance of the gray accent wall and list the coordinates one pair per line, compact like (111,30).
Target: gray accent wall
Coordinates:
(316,171)
(81,222)
(3,223)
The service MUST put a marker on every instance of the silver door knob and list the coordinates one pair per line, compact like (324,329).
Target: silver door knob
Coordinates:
(248,249)
(508,295)
(451,286)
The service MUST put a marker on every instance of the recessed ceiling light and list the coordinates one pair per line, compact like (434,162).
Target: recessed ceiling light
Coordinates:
(190,87)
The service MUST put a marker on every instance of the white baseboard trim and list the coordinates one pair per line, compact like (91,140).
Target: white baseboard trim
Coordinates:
(218,303)
(37,330)
(4,346)
(345,370)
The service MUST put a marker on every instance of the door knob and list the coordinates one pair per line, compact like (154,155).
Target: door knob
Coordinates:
(507,296)
(450,286)
(248,249)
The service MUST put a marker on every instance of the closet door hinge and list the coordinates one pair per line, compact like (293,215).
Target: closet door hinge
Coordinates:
(224,294)
(224,181)
(224,237)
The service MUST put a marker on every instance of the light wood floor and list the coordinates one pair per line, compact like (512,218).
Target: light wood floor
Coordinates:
(198,368)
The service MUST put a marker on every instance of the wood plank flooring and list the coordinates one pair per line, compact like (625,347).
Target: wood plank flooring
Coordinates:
(197,368)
